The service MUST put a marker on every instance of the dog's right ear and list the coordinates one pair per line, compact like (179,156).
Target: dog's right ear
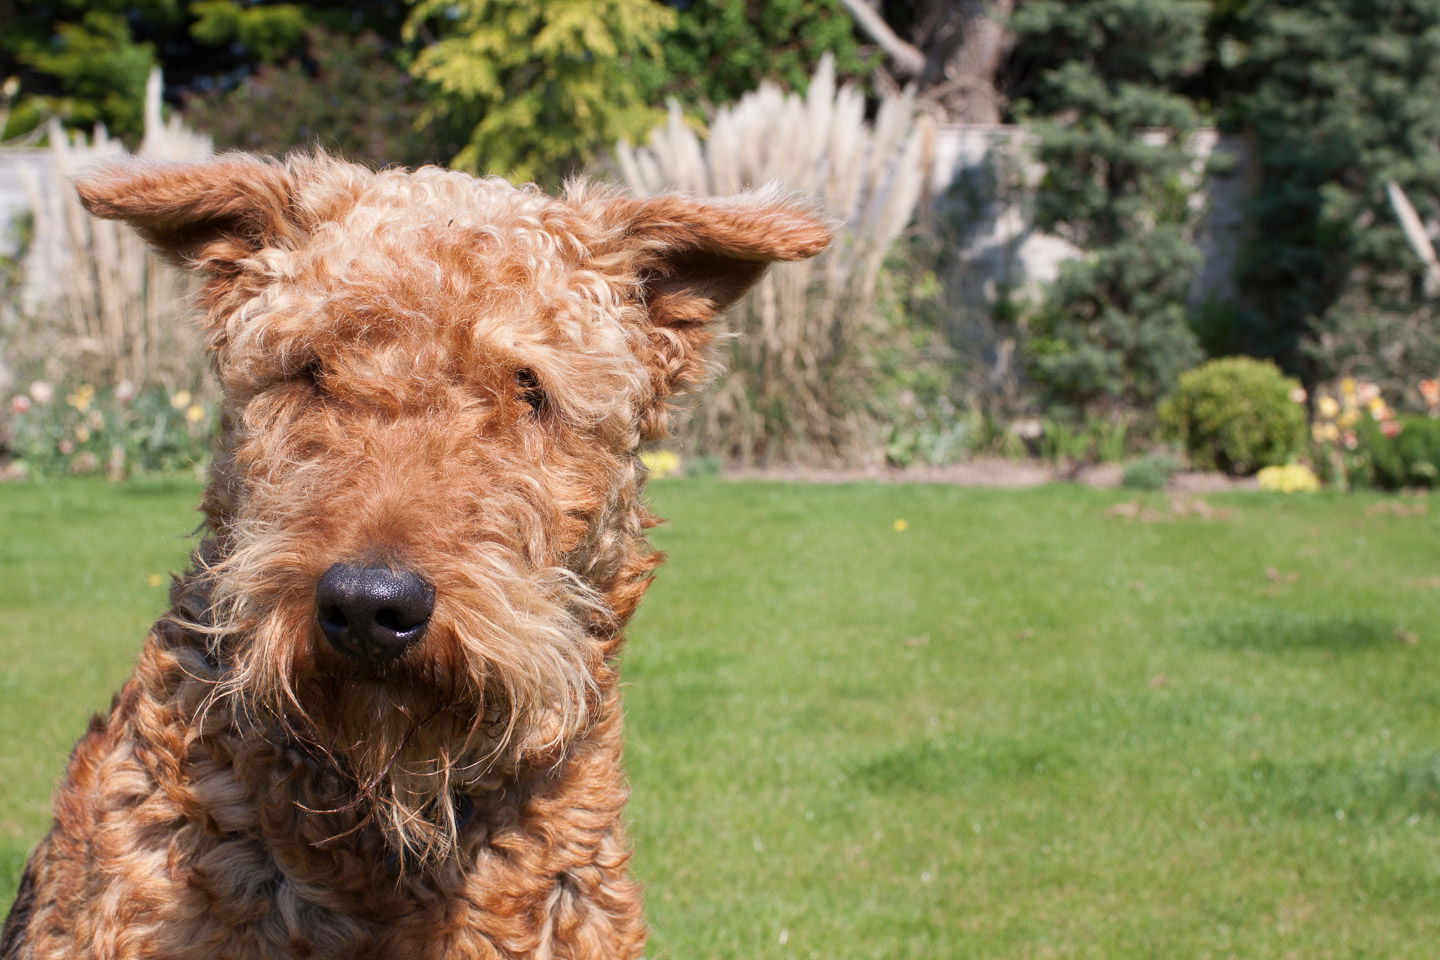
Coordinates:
(207,215)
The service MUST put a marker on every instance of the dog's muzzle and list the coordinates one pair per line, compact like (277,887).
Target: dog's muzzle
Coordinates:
(373,614)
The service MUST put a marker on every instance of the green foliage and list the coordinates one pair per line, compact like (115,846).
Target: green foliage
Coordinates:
(719,50)
(1235,414)
(87,62)
(1341,97)
(270,30)
(906,377)
(538,88)
(1112,330)
(1392,347)
(1098,439)
(1410,458)
(115,431)
(1151,472)
(350,97)
(99,68)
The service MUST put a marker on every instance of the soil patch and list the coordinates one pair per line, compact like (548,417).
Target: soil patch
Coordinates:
(992,472)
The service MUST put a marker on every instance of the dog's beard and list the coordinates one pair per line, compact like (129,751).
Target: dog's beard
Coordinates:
(504,680)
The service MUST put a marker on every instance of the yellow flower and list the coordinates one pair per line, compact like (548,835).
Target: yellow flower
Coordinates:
(1348,385)
(180,400)
(1292,478)
(901,526)
(154,579)
(1328,407)
(82,434)
(1325,432)
(195,413)
(661,463)
(81,398)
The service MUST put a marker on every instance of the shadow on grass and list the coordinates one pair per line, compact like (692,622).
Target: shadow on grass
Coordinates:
(1383,791)
(1280,630)
(927,766)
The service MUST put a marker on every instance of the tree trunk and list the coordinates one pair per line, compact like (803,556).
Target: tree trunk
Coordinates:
(952,51)
(966,64)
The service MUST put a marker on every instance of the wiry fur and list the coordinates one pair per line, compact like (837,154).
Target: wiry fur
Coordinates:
(438,373)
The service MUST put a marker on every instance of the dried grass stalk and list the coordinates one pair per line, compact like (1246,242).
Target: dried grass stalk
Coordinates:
(111,310)
(803,368)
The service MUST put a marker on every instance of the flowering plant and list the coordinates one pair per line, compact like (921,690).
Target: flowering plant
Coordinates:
(1362,440)
(1336,419)
(1291,478)
(1429,391)
(82,429)
(662,463)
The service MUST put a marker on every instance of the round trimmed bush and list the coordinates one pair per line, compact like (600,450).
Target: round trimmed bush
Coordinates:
(1236,415)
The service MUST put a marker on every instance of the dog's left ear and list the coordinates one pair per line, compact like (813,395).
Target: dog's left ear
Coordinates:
(697,257)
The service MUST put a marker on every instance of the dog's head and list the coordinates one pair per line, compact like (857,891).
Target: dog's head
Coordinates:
(426,523)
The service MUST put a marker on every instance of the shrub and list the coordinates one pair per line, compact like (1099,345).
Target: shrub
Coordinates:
(1099,439)
(1151,472)
(1395,460)
(1236,414)
(346,95)
(1291,478)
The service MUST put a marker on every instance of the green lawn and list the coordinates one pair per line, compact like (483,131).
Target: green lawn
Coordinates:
(1023,726)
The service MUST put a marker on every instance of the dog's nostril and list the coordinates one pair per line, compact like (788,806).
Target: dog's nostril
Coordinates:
(372,613)
(332,616)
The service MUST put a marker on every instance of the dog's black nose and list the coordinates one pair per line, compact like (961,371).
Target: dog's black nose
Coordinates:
(373,613)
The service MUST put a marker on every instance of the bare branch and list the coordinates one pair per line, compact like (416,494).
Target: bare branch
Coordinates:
(909,61)
(1415,233)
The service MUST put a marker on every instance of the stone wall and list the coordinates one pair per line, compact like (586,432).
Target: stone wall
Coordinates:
(982,180)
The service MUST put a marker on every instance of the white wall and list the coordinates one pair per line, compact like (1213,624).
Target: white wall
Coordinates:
(993,177)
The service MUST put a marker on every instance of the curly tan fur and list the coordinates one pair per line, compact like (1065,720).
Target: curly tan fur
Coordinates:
(428,371)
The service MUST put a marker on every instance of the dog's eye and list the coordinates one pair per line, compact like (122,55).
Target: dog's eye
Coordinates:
(530,390)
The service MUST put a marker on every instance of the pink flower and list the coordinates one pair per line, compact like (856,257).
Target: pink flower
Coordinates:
(42,392)
(1350,440)
(1391,428)
(1298,395)
(19,403)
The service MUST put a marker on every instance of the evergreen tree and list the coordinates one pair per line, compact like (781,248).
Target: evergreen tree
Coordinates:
(719,50)
(1341,97)
(538,88)
(1112,134)
(81,62)
(87,62)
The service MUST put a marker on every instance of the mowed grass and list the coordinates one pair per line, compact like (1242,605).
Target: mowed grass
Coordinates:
(1022,726)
